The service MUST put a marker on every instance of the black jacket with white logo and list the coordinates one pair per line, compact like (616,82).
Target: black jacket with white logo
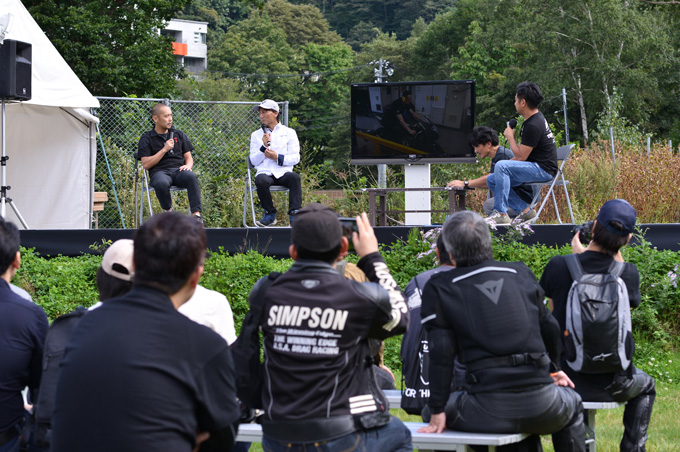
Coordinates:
(315,324)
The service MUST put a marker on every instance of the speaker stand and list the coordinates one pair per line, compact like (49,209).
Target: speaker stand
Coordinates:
(4,200)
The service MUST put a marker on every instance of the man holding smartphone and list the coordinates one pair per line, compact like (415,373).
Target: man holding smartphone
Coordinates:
(320,390)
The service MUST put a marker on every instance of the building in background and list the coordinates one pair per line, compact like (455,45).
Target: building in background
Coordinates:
(190,46)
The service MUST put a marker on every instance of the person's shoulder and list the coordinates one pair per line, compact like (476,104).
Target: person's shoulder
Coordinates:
(20,304)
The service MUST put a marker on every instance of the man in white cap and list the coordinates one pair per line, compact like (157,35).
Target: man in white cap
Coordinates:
(274,150)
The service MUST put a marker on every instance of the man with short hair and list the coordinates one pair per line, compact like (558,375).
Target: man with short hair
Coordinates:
(535,158)
(274,150)
(320,391)
(484,141)
(166,153)
(412,358)
(490,315)
(139,376)
(612,230)
(23,326)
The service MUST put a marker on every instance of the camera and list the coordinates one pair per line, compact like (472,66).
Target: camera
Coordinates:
(349,225)
(585,231)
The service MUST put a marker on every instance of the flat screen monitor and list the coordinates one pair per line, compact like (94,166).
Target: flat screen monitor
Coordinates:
(412,122)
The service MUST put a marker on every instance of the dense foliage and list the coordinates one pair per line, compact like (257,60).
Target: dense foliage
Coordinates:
(61,284)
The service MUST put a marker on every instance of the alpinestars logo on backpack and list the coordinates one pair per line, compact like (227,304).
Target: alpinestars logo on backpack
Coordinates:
(598,336)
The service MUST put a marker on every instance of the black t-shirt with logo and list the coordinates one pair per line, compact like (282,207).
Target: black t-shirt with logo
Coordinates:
(152,142)
(537,135)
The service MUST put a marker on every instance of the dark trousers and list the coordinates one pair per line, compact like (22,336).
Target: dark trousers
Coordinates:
(161,180)
(639,393)
(289,180)
(543,410)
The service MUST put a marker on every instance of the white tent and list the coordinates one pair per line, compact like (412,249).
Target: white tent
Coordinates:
(51,139)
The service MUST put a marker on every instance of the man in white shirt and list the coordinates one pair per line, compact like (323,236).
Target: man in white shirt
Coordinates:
(274,150)
(211,308)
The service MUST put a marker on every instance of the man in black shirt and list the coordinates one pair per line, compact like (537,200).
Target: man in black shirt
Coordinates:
(611,231)
(319,389)
(166,153)
(137,375)
(490,315)
(23,326)
(484,141)
(535,158)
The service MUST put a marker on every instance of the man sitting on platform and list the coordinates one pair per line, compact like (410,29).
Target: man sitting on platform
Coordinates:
(274,150)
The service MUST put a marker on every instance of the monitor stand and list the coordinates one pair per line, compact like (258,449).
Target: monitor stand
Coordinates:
(417,176)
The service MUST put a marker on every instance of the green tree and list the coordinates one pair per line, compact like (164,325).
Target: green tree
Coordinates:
(302,24)
(113,46)
(220,14)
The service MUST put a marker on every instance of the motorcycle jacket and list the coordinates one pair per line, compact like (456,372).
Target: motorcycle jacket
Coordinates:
(318,380)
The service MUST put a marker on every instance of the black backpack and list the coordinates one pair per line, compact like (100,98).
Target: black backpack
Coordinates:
(55,342)
(598,336)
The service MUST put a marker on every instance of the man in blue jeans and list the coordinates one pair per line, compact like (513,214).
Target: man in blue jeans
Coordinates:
(319,391)
(535,157)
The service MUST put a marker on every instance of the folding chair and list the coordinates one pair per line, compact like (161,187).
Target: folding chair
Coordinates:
(562,157)
(142,189)
(249,189)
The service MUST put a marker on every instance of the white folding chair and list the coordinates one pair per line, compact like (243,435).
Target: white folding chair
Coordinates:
(249,189)
(143,189)
(562,157)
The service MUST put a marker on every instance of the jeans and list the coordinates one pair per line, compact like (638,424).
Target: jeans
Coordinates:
(161,180)
(290,180)
(13,444)
(511,173)
(392,437)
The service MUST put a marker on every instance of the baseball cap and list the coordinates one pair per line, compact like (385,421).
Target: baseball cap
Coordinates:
(618,210)
(316,228)
(117,260)
(267,104)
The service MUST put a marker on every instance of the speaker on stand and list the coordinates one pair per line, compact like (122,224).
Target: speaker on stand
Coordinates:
(15,85)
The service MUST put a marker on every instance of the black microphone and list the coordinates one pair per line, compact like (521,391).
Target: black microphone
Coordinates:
(172,135)
(264,131)
(512,123)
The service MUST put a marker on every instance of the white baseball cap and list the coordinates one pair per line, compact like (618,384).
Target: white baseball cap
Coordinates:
(117,260)
(267,104)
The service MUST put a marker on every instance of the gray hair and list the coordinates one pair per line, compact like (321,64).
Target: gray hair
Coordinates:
(467,238)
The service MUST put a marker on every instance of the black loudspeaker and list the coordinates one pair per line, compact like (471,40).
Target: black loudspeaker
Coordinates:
(15,70)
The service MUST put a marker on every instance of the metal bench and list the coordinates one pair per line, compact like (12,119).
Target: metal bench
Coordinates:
(424,442)
(590,410)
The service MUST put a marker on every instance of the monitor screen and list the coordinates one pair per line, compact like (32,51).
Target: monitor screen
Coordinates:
(412,122)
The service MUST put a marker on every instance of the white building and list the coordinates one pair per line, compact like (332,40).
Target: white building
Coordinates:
(190,46)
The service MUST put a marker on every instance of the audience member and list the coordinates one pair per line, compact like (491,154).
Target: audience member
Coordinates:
(320,390)
(274,150)
(23,326)
(491,316)
(211,308)
(114,278)
(139,376)
(612,230)
(415,346)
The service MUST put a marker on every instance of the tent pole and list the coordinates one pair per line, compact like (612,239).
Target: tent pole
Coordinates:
(113,182)
(3,175)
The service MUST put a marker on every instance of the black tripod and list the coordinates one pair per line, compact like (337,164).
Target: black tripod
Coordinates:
(4,200)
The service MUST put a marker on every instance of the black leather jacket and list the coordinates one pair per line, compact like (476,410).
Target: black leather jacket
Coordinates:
(318,383)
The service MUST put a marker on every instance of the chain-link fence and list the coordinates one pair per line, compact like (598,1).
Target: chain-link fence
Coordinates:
(220,133)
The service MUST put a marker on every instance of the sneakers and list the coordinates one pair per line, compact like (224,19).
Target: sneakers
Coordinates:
(269,219)
(198,218)
(497,218)
(530,215)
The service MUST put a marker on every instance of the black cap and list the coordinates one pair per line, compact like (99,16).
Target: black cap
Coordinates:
(316,228)
(618,210)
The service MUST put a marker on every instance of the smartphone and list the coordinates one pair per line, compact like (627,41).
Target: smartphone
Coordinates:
(349,225)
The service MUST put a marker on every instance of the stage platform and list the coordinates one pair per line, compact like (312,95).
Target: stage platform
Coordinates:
(275,241)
